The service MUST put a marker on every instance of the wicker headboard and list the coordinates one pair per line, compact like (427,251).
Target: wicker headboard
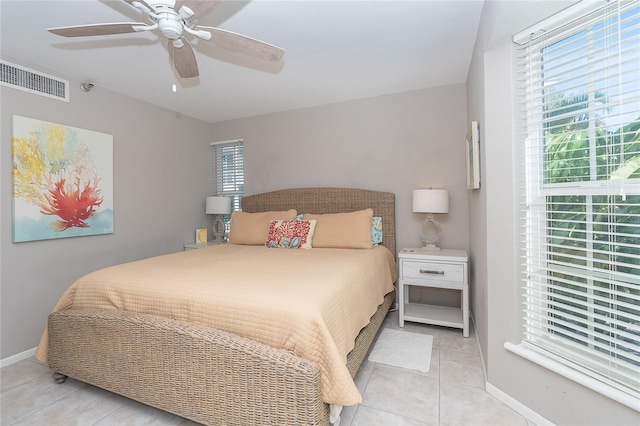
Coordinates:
(330,200)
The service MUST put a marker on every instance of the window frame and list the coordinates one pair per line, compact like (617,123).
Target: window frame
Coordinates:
(228,179)
(534,212)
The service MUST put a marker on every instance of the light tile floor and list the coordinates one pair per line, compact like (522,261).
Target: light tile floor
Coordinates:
(452,393)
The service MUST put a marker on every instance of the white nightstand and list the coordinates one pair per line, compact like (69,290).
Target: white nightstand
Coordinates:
(193,246)
(446,269)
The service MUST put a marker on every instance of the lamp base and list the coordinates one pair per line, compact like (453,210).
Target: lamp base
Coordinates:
(430,232)
(218,229)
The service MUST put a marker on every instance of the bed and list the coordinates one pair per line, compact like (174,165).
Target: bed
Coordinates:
(203,373)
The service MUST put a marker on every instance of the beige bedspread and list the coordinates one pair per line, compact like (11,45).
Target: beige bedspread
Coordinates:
(310,302)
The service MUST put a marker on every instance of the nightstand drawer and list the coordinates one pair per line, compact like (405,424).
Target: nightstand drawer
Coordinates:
(433,271)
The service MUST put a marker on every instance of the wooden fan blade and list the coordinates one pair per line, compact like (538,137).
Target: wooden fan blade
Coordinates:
(96,29)
(199,8)
(242,44)
(184,60)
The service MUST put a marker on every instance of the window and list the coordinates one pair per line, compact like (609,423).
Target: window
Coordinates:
(228,172)
(580,194)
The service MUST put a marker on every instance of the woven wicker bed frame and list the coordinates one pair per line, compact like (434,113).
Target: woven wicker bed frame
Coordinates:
(208,375)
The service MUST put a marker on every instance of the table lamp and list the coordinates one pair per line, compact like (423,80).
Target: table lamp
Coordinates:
(218,206)
(430,201)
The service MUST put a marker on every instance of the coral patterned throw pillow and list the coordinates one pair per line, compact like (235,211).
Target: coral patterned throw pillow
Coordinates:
(291,234)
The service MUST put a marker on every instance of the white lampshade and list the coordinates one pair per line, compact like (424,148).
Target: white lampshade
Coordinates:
(218,205)
(430,201)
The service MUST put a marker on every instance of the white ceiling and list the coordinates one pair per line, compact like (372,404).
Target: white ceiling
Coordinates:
(334,51)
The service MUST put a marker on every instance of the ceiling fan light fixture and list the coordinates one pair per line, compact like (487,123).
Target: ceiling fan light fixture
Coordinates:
(185,12)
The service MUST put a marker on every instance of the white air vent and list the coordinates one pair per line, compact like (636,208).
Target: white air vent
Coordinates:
(31,81)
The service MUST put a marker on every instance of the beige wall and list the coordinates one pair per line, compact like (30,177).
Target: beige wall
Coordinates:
(490,94)
(394,143)
(161,174)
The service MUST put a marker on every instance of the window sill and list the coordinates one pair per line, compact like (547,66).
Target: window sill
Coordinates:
(563,368)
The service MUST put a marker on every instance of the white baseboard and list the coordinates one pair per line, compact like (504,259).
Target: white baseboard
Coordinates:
(517,406)
(17,357)
(484,369)
(512,403)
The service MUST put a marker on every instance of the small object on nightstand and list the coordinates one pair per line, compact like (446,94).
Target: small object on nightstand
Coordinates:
(445,269)
(201,236)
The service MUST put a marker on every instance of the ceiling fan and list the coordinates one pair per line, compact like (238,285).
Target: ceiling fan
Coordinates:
(177,19)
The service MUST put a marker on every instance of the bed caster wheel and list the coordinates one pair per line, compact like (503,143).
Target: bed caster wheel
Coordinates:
(59,378)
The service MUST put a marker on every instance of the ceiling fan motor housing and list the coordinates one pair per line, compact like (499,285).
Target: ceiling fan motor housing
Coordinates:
(170,25)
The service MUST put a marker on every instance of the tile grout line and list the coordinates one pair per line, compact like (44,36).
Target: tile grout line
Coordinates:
(111,413)
(47,405)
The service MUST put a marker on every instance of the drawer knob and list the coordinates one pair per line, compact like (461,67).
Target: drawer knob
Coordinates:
(426,271)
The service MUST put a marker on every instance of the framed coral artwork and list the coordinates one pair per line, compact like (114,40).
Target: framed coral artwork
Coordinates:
(62,181)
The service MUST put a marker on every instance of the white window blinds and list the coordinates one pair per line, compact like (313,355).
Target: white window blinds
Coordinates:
(228,171)
(579,191)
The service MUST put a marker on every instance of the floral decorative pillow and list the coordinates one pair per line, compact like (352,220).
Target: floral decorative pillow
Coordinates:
(291,234)
(376,231)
